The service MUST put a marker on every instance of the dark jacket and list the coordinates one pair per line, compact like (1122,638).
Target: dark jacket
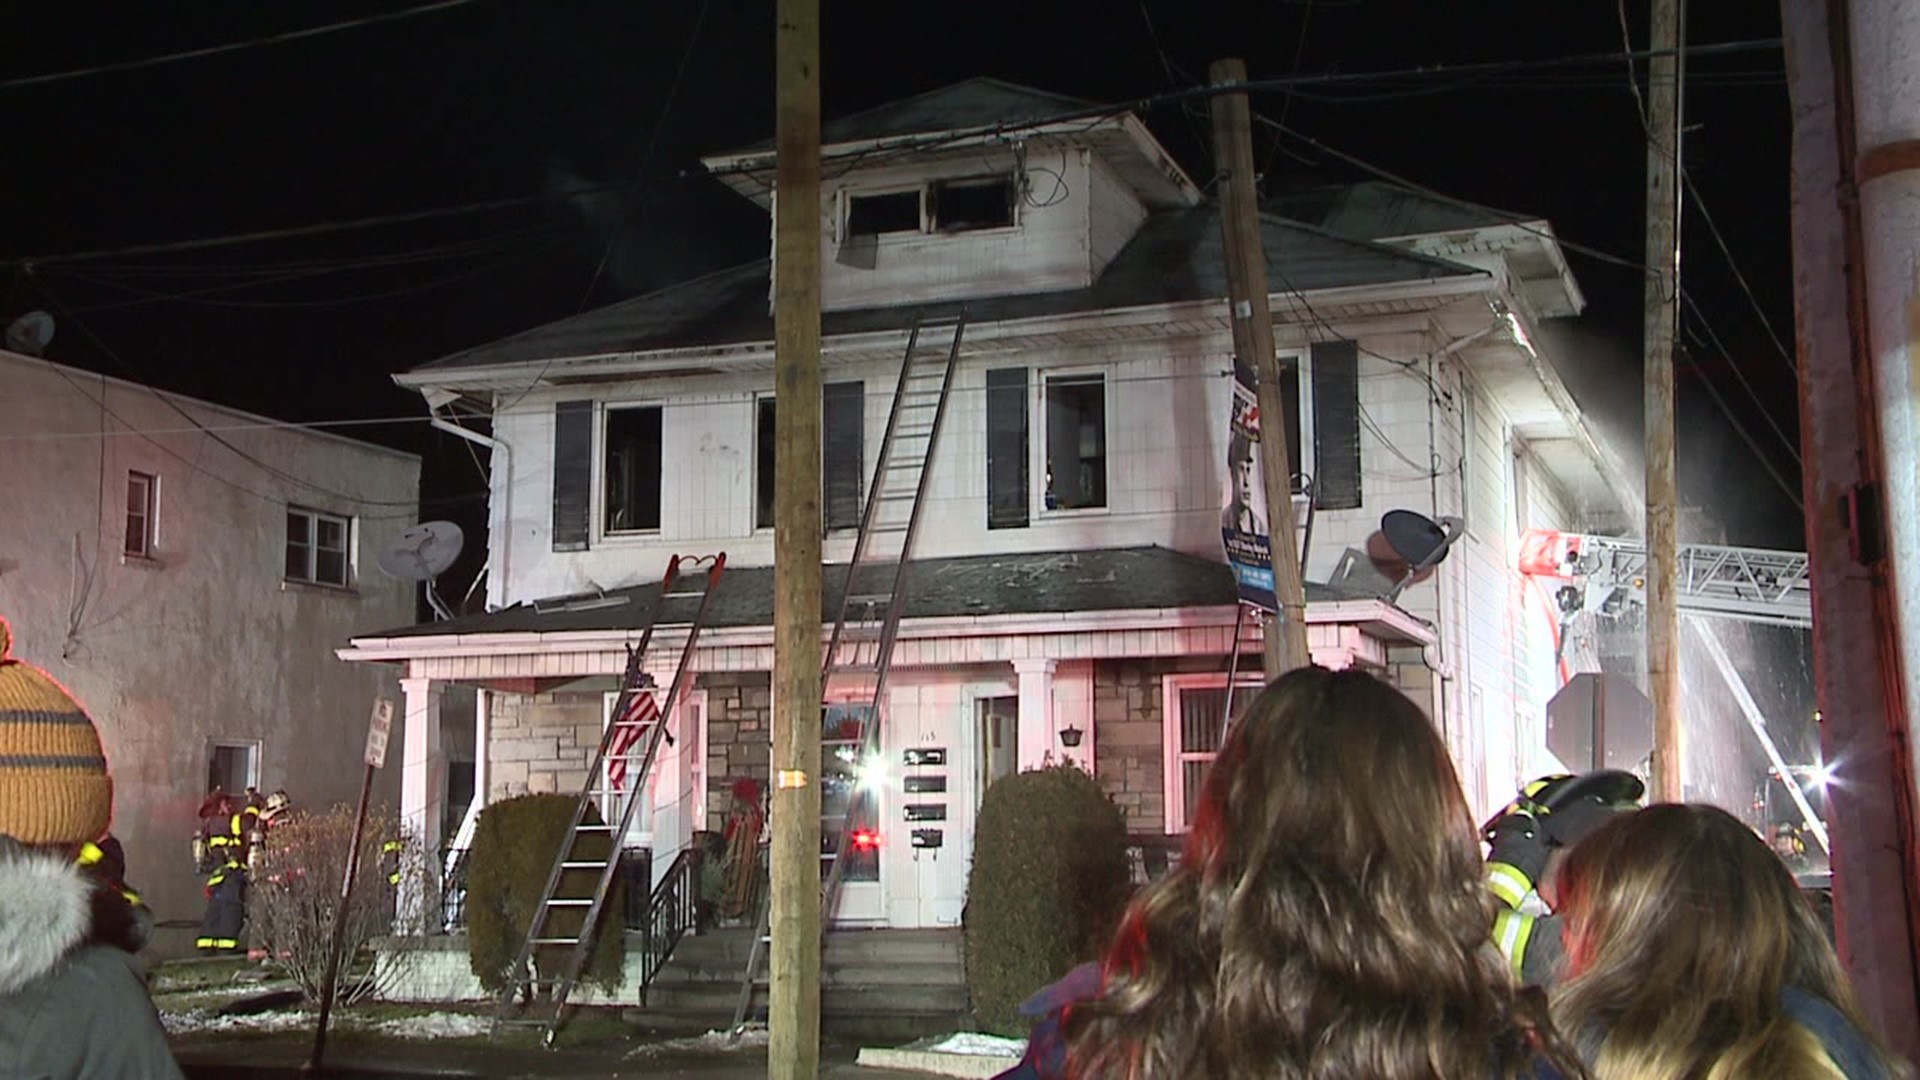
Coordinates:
(73,997)
(1846,1046)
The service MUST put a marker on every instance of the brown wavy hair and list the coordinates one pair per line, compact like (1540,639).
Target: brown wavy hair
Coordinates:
(1682,931)
(1329,917)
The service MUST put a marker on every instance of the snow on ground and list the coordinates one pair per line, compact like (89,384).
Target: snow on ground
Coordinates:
(711,1042)
(968,1042)
(425,1026)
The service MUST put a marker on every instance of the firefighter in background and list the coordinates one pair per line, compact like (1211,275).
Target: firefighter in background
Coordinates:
(226,846)
(260,824)
(106,861)
(216,816)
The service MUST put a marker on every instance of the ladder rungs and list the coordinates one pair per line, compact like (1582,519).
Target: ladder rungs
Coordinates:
(561,901)
(588,865)
(554,941)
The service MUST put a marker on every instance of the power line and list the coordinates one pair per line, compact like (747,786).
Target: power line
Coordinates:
(1713,336)
(216,50)
(1733,264)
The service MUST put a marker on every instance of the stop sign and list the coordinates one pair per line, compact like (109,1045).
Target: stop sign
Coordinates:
(1600,722)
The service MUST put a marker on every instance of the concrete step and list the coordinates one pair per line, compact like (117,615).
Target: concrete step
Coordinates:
(831,974)
(842,947)
(834,1000)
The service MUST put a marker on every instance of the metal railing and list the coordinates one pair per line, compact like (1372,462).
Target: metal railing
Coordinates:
(673,908)
(635,871)
(1151,855)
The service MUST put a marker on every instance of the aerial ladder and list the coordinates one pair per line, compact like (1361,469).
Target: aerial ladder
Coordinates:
(1606,577)
(873,597)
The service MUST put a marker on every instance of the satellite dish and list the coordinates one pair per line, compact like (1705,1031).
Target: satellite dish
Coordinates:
(1420,543)
(423,553)
(30,333)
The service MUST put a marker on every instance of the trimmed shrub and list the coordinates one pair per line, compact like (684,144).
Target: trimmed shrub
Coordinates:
(1048,883)
(294,893)
(514,844)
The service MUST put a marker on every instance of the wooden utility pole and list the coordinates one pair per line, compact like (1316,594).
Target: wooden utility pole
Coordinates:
(1662,317)
(793,1018)
(1285,634)
(1860,667)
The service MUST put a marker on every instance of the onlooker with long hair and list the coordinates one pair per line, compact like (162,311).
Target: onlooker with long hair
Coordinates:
(1692,953)
(1328,918)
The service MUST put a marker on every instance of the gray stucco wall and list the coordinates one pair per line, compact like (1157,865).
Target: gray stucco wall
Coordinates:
(204,642)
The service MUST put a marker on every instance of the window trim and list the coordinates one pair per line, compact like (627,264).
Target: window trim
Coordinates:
(347,563)
(602,534)
(150,516)
(1037,434)
(846,193)
(697,795)
(1173,779)
(254,755)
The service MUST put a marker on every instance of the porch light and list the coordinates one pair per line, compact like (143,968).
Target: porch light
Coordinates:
(1070,736)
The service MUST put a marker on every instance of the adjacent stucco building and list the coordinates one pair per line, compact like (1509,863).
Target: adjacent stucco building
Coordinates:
(187,571)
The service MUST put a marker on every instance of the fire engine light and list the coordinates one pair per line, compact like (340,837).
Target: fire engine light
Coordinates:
(865,839)
(871,772)
(1823,776)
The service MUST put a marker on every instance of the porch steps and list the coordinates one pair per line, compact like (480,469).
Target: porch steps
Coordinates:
(875,985)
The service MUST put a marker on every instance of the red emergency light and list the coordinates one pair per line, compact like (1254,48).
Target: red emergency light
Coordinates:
(865,839)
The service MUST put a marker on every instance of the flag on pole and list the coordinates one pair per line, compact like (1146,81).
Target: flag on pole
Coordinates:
(642,712)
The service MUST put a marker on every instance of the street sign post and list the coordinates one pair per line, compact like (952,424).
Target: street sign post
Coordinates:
(378,728)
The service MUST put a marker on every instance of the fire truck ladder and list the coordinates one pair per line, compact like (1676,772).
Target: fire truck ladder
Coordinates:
(867,624)
(1755,585)
(618,743)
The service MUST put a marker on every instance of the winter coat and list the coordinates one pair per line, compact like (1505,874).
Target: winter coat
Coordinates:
(73,997)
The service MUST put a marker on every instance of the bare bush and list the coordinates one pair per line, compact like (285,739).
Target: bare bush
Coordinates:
(295,893)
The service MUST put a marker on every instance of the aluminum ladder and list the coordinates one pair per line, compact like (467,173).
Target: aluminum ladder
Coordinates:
(639,755)
(873,596)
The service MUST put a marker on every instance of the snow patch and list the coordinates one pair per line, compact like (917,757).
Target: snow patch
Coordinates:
(435,1026)
(713,1042)
(969,1042)
(425,1026)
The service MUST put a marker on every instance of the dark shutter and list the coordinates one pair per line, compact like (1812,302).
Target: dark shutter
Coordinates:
(572,474)
(843,418)
(1007,448)
(1290,408)
(1336,425)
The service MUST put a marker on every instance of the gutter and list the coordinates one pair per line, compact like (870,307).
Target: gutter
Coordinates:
(501,533)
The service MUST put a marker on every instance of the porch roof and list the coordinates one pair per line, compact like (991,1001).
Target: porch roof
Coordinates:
(1047,583)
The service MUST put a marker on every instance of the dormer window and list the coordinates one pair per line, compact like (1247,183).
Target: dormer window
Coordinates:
(892,212)
(963,204)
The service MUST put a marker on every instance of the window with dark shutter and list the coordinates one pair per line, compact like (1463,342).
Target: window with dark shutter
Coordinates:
(633,468)
(1007,448)
(1336,425)
(763,459)
(843,416)
(572,474)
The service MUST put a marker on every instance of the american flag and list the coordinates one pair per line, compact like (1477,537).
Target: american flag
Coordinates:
(641,713)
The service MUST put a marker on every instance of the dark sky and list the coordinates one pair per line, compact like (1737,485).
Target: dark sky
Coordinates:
(504,99)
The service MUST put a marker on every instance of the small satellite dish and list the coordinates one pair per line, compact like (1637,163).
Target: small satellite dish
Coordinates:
(1419,542)
(422,553)
(30,333)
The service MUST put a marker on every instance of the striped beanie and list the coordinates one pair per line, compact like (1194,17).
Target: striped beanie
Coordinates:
(54,787)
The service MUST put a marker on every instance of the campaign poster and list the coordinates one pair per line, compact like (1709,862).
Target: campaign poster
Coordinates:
(1243,512)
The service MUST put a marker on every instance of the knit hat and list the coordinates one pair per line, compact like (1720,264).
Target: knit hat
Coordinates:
(54,787)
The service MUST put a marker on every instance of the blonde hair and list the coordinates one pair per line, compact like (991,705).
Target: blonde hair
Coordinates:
(1683,930)
(1329,916)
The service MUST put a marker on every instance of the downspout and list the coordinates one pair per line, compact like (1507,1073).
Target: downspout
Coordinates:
(1430,654)
(503,532)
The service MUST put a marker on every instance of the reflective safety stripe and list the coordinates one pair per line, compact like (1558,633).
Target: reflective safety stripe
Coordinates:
(90,854)
(1511,932)
(216,943)
(1508,883)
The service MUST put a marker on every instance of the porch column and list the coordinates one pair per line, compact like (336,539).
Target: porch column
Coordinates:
(423,770)
(482,723)
(1036,711)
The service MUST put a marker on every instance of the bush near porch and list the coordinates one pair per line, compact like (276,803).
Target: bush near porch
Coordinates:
(1048,883)
(514,844)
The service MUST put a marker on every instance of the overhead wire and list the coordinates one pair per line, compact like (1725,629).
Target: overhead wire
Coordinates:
(230,47)
(1760,456)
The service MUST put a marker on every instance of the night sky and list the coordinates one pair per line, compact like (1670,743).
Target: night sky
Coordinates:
(497,100)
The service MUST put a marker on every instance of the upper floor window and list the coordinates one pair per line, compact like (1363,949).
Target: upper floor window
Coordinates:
(143,499)
(633,469)
(960,204)
(842,456)
(317,547)
(886,212)
(1076,440)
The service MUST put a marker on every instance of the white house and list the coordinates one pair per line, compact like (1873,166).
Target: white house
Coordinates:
(187,571)
(1069,574)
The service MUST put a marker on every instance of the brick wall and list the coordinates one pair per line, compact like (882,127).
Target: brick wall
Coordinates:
(739,736)
(1129,750)
(542,743)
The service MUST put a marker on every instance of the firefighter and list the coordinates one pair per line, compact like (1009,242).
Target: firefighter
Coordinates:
(260,823)
(226,847)
(106,861)
(1550,815)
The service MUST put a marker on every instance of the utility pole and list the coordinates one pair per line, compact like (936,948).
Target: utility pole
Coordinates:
(1284,634)
(793,1017)
(1853,255)
(1664,71)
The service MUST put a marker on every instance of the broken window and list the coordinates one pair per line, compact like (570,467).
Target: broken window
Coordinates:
(1076,442)
(893,212)
(979,202)
(633,469)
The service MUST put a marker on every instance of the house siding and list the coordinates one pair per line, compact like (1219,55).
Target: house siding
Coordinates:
(204,641)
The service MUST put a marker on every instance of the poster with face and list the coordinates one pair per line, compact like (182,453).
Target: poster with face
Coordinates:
(1243,510)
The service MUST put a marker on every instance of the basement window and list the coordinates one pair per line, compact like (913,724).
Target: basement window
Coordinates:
(893,212)
(978,202)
